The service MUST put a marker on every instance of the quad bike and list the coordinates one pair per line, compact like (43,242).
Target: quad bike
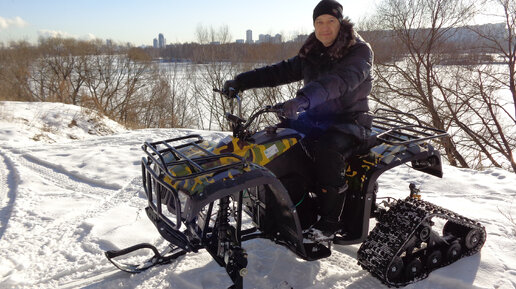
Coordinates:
(215,196)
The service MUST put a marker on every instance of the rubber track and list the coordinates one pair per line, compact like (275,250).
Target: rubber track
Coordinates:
(396,227)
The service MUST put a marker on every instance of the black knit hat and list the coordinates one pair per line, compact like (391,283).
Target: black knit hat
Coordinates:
(331,7)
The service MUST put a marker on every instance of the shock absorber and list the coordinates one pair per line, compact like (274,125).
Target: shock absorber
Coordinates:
(223,227)
(228,248)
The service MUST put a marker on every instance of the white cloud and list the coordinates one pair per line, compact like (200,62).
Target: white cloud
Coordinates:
(54,33)
(60,34)
(9,22)
(89,36)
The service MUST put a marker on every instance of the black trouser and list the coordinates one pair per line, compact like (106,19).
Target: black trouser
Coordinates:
(331,144)
(330,152)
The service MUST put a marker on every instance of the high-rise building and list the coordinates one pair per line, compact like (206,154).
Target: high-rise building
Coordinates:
(161,40)
(249,36)
(267,38)
(276,38)
(155,43)
(264,38)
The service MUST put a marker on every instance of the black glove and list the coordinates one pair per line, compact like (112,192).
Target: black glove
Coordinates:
(231,88)
(293,106)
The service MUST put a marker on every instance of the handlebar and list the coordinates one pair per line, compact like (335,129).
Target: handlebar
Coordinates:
(240,125)
(228,96)
(266,109)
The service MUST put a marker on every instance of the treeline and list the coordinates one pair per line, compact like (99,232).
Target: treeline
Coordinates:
(472,50)
(122,83)
(465,86)
(127,84)
(229,52)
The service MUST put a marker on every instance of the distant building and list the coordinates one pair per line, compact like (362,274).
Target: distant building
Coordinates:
(267,38)
(276,38)
(109,42)
(239,41)
(301,38)
(161,41)
(155,43)
(264,38)
(249,36)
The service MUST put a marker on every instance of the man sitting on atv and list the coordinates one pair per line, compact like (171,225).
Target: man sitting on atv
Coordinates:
(335,64)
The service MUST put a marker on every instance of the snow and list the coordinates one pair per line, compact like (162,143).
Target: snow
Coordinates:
(70,189)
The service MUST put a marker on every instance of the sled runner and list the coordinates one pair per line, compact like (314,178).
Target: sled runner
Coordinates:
(216,196)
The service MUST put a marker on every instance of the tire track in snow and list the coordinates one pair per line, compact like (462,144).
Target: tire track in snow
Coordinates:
(4,185)
(8,187)
(62,178)
(93,264)
(61,238)
(67,179)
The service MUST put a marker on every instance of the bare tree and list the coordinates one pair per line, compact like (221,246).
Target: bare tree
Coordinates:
(58,73)
(167,101)
(202,34)
(497,135)
(116,81)
(210,74)
(429,77)
(504,44)
(15,71)
(486,133)
(421,28)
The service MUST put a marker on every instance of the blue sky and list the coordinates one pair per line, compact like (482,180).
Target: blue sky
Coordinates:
(139,22)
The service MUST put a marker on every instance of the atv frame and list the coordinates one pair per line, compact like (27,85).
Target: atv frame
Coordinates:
(231,188)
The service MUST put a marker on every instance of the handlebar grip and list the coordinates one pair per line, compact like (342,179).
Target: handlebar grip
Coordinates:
(232,93)
(235,119)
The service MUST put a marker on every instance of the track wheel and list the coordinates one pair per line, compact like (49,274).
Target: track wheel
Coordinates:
(395,269)
(424,233)
(472,239)
(434,260)
(413,268)
(453,252)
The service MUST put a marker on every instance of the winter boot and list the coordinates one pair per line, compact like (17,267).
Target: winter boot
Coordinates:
(332,203)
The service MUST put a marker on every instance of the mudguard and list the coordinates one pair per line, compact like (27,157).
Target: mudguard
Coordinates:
(393,148)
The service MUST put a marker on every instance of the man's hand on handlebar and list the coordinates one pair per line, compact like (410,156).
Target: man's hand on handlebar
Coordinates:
(231,88)
(290,108)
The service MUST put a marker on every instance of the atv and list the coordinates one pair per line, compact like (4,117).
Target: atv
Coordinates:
(215,196)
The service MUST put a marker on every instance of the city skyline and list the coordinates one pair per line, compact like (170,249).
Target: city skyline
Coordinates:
(160,42)
(456,34)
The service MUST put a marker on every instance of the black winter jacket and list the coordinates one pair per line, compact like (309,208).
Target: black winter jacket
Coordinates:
(337,79)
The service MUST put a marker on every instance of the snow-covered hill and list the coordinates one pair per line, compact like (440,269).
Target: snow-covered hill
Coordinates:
(70,189)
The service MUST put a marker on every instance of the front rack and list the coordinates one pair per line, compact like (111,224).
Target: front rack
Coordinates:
(162,157)
(154,152)
(395,131)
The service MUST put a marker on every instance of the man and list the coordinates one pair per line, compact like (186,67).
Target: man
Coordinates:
(335,64)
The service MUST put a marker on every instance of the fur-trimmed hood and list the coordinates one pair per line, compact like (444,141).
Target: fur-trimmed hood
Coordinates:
(312,47)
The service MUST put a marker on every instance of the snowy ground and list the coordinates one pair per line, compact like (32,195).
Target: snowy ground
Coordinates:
(70,189)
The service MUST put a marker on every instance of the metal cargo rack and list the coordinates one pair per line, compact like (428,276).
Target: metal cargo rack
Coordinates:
(157,150)
(396,131)
(164,155)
